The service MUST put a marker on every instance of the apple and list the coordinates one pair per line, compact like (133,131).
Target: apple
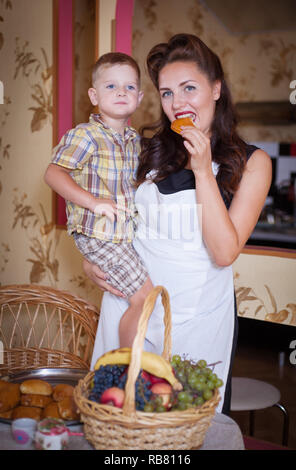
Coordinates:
(155,380)
(165,391)
(145,375)
(113,396)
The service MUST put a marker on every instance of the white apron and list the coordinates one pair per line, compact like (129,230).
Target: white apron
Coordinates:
(201,294)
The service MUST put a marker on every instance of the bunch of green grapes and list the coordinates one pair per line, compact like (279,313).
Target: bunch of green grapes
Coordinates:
(199,383)
(155,404)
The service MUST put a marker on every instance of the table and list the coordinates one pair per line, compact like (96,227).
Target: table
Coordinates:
(223,434)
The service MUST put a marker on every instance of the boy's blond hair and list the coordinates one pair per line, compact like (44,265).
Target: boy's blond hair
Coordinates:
(114,58)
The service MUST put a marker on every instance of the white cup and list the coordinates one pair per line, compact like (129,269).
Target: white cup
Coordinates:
(51,434)
(23,430)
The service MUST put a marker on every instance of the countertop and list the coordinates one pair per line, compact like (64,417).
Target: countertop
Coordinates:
(223,434)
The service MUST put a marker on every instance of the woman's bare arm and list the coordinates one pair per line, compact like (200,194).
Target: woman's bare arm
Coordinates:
(226,232)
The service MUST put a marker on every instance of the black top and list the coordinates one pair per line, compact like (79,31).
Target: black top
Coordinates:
(184,179)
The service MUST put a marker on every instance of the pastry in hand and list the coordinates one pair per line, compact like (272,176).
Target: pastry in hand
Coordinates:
(26,412)
(9,396)
(68,409)
(62,391)
(41,401)
(36,387)
(185,120)
(51,411)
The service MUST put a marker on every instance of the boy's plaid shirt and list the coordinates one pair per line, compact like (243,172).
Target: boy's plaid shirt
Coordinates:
(104,163)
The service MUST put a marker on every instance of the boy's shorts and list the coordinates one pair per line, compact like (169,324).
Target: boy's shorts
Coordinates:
(119,260)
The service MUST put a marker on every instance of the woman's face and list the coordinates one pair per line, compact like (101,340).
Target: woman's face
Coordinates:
(184,90)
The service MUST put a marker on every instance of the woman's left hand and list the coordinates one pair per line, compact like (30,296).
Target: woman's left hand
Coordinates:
(198,145)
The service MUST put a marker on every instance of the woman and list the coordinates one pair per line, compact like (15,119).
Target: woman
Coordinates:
(199,197)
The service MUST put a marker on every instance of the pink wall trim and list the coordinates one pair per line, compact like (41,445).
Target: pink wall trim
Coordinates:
(65,67)
(124,15)
(65,83)
(124,19)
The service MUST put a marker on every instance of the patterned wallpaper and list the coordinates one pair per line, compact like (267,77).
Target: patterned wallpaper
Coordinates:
(258,66)
(32,249)
(265,287)
(84,57)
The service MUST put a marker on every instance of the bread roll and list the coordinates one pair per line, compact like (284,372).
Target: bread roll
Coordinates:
(51,411)
(68,409)
(26,412)
(3,384)
(9,396)
(176,125)
(36,387)
(62,391)
(6,414)
(41,401)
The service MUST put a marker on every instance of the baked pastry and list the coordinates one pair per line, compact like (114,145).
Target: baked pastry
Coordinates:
(26,412)
(51,411)
(41,401)
(183,121)
(62,391)
(68,409)
(3,383)
(36,387)
(9,396)
(6,414)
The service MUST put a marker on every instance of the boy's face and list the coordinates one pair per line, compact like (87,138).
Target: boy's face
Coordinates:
(116,92)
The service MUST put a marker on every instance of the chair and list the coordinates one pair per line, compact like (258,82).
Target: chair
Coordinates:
(251,395)
(42,327)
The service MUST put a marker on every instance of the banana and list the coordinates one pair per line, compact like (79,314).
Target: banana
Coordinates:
(151,362)
(116,356)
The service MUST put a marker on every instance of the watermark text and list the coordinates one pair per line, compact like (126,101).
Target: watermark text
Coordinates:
(161,221)
(292,356)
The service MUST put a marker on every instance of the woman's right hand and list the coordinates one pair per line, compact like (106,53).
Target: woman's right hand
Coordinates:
(99,278)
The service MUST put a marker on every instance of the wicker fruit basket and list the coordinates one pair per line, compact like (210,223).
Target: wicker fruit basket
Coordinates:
(109,427)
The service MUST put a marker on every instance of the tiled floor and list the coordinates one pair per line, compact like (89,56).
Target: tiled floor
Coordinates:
(263,353)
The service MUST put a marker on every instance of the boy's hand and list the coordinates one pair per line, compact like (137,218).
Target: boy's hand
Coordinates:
(105,207)
(108,208)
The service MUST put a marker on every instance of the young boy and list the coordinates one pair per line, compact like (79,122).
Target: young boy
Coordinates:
(93,168)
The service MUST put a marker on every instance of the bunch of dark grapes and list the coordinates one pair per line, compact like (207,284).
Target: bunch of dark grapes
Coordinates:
(199,382)
(142,391)
(115,376)
(105,377)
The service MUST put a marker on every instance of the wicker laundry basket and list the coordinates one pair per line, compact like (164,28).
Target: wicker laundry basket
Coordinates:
(109,427)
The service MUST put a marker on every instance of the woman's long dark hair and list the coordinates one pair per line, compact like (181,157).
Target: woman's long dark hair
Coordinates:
(165,151)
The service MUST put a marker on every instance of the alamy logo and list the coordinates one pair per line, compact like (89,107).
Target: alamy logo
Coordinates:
(292,356)
(293,94)
(1,93)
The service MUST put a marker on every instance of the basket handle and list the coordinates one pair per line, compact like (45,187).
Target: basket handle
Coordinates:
(137,348)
